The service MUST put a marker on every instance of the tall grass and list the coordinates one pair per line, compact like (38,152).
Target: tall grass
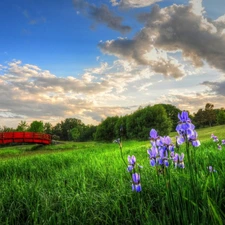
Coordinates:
(89,184)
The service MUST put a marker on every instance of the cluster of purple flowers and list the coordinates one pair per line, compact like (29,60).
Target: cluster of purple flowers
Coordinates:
(162,149)
(216,139)
(186,131)
(136,177)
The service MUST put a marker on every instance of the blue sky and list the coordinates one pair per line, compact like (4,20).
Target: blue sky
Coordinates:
(93,59)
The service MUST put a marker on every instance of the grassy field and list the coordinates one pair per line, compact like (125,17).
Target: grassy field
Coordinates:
(88,183)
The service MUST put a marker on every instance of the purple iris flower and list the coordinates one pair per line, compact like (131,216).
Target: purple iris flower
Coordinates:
(223,142)
(183,117)
(131,163)
(153,134)
(180,140)
(163,158)
(185,128)
(193,139)
(181,160)
(167,143)
(178,160)
(171,148)
(153,155)
(166,140)
(136,185)
(172,154)
(219,147)
(215,139)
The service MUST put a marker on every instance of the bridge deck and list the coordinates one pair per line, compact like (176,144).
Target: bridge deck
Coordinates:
(25,137)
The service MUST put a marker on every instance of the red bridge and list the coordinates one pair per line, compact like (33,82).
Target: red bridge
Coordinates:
(25,137)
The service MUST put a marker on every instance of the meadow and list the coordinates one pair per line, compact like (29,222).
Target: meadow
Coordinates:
(88,183)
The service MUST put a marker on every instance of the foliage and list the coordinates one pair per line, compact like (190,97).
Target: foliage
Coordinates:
(172,112)
(221,117)
(67,127)
(210,114)
(22,126)
(48,128)
(6,129)
(87,133)
(205,117)
(36,126)
(106,130)
(141,121)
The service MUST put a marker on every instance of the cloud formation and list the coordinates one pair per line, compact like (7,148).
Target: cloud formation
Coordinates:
(177,28)
(102,15)
(133,3)
(216,87)
(192,101)
(28,92)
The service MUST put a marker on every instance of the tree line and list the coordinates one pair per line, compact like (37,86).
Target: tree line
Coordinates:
(162,117)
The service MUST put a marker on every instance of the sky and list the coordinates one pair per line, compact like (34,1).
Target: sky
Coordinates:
(93,59)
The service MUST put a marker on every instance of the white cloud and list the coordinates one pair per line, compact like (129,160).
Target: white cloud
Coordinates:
(172,29)
(28,92)
(134,3)
(196,7)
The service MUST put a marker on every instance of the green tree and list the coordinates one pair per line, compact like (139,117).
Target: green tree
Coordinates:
(210,114)
(48,128)
(87,133)
(221,117)
(106,129)
(172,112)
(199,118)
(6,129)
(161,122)
(57,131)
(68,125)
(36,126)
(120,127)
(22,126)
(144,119)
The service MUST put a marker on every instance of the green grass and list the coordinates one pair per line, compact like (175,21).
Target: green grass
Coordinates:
(87,183)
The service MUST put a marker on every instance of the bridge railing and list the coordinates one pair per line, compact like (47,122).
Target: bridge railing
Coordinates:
(24,137)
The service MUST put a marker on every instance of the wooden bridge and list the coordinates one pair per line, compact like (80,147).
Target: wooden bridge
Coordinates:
(25,137)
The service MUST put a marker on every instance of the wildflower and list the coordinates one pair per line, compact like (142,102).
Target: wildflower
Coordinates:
(185,126)
(167,143)
(136,185)
(219,147)
(178,160)
(223,142)
(215,138)
(193,139)
(117,141)
(163,158)
(131,163)
(154,138)
(181,161)
(153,155)
(211,169)
(186,130)
(153,134)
